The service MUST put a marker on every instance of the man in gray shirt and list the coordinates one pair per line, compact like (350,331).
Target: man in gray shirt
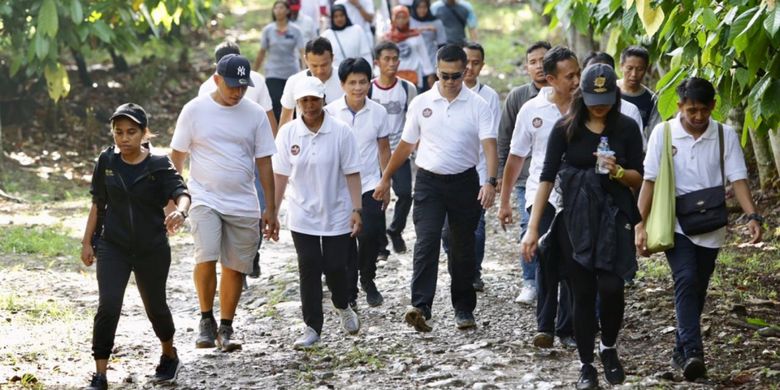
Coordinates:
(514,101)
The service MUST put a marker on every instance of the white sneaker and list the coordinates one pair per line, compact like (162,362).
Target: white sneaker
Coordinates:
(309,338)
(527,294)
(349,320)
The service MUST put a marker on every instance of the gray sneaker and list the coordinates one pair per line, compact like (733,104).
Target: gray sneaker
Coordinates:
(207,333)
(225,339)
(349,320)
(308,339)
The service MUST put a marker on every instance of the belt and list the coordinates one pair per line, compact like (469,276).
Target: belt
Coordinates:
(454,177)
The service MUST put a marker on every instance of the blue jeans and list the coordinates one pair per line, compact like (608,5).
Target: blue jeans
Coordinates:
(529,268)
(691,266)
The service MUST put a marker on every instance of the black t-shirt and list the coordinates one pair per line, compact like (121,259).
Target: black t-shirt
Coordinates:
(644,102)
(131,172)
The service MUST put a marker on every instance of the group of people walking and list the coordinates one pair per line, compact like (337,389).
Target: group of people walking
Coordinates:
(569,144)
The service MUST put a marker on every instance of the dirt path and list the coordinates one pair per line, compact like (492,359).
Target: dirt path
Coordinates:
(52,342)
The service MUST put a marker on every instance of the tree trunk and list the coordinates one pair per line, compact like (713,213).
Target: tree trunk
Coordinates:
(767,172)
(774,139)
(83,71)
(580,43)
(120,64)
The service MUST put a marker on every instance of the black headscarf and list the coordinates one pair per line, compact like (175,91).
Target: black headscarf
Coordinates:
(339,7)
(427,18)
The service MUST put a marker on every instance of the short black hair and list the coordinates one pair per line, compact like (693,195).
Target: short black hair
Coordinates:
(451,53)
(696,89)
(318,46)
(225,48)
(554,56)
(635,51)
(386,45)
(538,45)
(354,65)
(475,46)
(598,57)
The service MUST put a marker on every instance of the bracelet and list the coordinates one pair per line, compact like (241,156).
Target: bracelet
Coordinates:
(183,213)
(619,174)
(358,211)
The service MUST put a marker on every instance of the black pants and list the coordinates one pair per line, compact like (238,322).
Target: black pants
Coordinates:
(114,266)
(585,284)
(318,255)
(553,297)
(402,186)
(437,197)
(365,249)
(275,89)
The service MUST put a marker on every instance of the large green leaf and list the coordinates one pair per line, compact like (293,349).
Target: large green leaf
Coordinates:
(47,18)
(772,21)
(580,18)
(709,19)
(101,29)
(667,103)
(769,102)
(41,46)
(740,23)
(57,81)
(76,11)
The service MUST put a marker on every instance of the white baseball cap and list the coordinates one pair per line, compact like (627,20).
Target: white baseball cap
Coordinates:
(309,86)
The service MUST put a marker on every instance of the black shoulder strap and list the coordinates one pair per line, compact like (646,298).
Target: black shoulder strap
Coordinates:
(370,90)
(722,147)
(406,93)
(308,72)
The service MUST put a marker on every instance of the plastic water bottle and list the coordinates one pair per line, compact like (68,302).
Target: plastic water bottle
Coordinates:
(603,151)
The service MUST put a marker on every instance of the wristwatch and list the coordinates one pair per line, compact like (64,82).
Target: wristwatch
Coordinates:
(755,217)
(619,174)
(492,181)
(183,213)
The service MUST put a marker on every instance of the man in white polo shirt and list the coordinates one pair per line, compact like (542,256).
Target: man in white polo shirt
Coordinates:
(369,123)
(532,129)
(227,138)
(702,159)
(318,55)
(449,122)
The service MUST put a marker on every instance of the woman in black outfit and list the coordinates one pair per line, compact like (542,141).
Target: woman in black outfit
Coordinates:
(592,238)
(127,228)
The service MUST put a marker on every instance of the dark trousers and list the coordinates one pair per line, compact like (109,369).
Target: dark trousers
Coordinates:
(585,285)
(692,267)
(114,266)
(318,255)
(437,197)
(275,89)
(364,250)
(402,186)
(479,243)
(553,296)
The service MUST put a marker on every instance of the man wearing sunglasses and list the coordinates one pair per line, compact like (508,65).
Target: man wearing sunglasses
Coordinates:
(450,123)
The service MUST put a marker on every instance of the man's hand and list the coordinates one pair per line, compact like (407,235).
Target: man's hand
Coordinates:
(356,223)
(640,239)
(756,232)
(487,194)
(529,244)
(382,189)
(505,216)
(174,221)
(270,225)
(87,254)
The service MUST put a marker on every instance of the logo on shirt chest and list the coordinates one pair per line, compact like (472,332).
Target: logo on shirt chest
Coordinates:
(674,150)
(295,149)
(427,112)
(537,122)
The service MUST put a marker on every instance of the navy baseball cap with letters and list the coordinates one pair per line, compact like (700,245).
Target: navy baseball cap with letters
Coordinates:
(234,69)
(598,85)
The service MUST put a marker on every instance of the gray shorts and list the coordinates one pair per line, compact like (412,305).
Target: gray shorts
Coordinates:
(230,239)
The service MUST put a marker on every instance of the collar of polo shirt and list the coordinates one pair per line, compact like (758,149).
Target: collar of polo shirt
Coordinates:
(324,128)
(462,95)
(710,133)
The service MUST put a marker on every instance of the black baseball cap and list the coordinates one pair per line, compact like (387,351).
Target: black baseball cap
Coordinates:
(234,68)
(598,85)
(132,111)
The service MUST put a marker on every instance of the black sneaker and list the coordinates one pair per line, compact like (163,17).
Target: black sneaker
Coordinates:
(225,339)
(207,335)
(567,342)
(588,378)
(694,368)
(255,267)
(478,284)
(98,382)
(373,297)
(399,246)
(383,255)
(465,320)
(678,360)
(613,370)
(168,369)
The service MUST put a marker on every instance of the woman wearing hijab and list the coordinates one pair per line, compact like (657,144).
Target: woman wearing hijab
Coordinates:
(431,30)
(348,40)
(415,60)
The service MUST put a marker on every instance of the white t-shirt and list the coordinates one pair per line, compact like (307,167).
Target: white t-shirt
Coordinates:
(317,165)
(333,89)
(396,101)
(494,102)
(697,165)
(350,42)
(357,19)
(414,56)
(258,94)
(223,143)
(533,126)
(632,111)
(368,125)
(449,132)
(308,26)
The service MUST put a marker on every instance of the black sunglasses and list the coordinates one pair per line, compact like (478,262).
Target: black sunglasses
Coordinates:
(450,76)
